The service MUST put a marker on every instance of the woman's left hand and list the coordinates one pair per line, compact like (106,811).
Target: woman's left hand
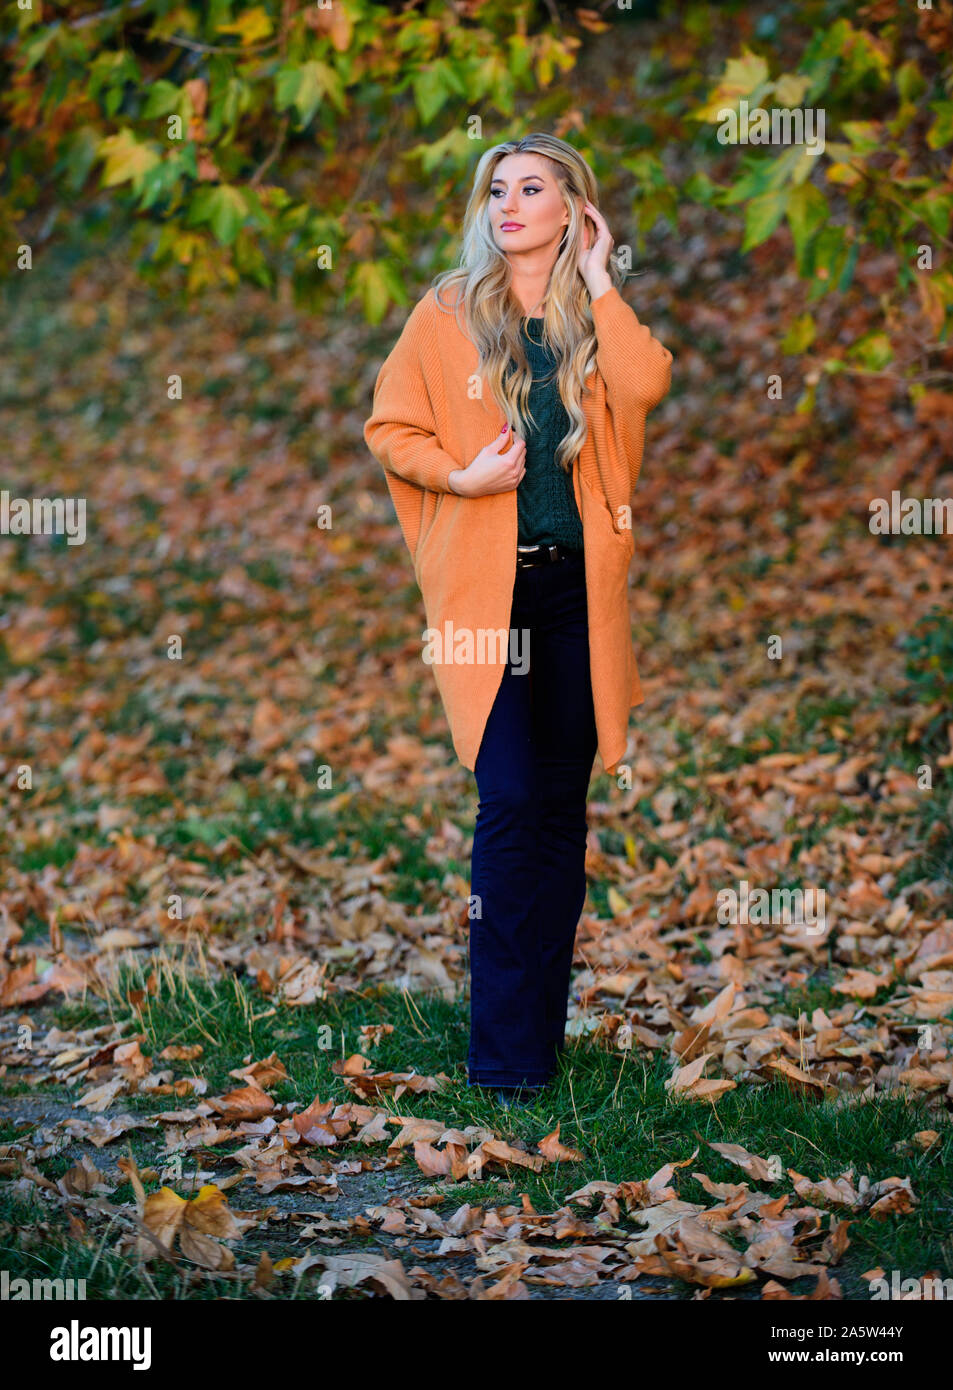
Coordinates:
(593,258)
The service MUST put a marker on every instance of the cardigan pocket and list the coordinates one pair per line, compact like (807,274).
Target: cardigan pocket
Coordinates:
(428,526)
(426,533)
(620,535)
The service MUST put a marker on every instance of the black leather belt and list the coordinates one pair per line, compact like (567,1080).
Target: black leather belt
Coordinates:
(529,555)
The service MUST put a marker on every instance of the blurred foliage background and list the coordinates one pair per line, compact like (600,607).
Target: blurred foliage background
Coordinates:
(328,147)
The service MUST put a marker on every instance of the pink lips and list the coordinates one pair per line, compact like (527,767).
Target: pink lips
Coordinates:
(512,227)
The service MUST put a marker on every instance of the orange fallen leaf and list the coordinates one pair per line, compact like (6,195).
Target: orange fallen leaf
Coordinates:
(554,1152)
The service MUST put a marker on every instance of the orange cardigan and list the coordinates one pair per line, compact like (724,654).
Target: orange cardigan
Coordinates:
(429,417)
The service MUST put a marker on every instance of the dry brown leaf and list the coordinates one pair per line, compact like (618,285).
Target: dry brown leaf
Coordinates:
(555,1152)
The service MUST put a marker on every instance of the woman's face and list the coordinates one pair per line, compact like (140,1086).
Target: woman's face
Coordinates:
(527,212)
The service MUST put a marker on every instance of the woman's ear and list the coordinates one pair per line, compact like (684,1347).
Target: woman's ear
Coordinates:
(579,207)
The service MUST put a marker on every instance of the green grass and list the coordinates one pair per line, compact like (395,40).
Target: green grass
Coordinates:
(611,1105)
(362,828)
(811,713)
(111,1276)
(933,861)
(58,852)
(249,816)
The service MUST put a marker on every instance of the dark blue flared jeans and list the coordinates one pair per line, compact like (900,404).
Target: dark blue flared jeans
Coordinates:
(528,877)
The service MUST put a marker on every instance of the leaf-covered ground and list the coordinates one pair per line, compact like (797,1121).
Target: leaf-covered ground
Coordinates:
(270,836)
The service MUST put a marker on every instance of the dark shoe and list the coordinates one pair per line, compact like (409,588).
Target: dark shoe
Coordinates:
(511,1097)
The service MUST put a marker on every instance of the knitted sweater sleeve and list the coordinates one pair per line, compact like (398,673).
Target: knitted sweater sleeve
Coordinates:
(401,430)
(636,368)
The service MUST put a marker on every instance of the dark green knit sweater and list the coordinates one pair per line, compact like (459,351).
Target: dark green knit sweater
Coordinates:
(545,500)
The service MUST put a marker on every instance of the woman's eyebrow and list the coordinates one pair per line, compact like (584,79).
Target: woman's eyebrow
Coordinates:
(522,180)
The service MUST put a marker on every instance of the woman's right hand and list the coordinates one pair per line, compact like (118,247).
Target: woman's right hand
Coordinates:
(492,471)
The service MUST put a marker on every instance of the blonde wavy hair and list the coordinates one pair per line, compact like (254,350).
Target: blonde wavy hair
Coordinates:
(494,316)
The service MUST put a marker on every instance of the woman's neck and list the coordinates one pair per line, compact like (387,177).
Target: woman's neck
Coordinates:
(531,300)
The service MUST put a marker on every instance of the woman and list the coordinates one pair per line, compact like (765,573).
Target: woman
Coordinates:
(511,441)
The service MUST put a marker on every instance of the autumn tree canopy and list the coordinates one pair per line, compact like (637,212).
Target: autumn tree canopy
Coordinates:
(330,145)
